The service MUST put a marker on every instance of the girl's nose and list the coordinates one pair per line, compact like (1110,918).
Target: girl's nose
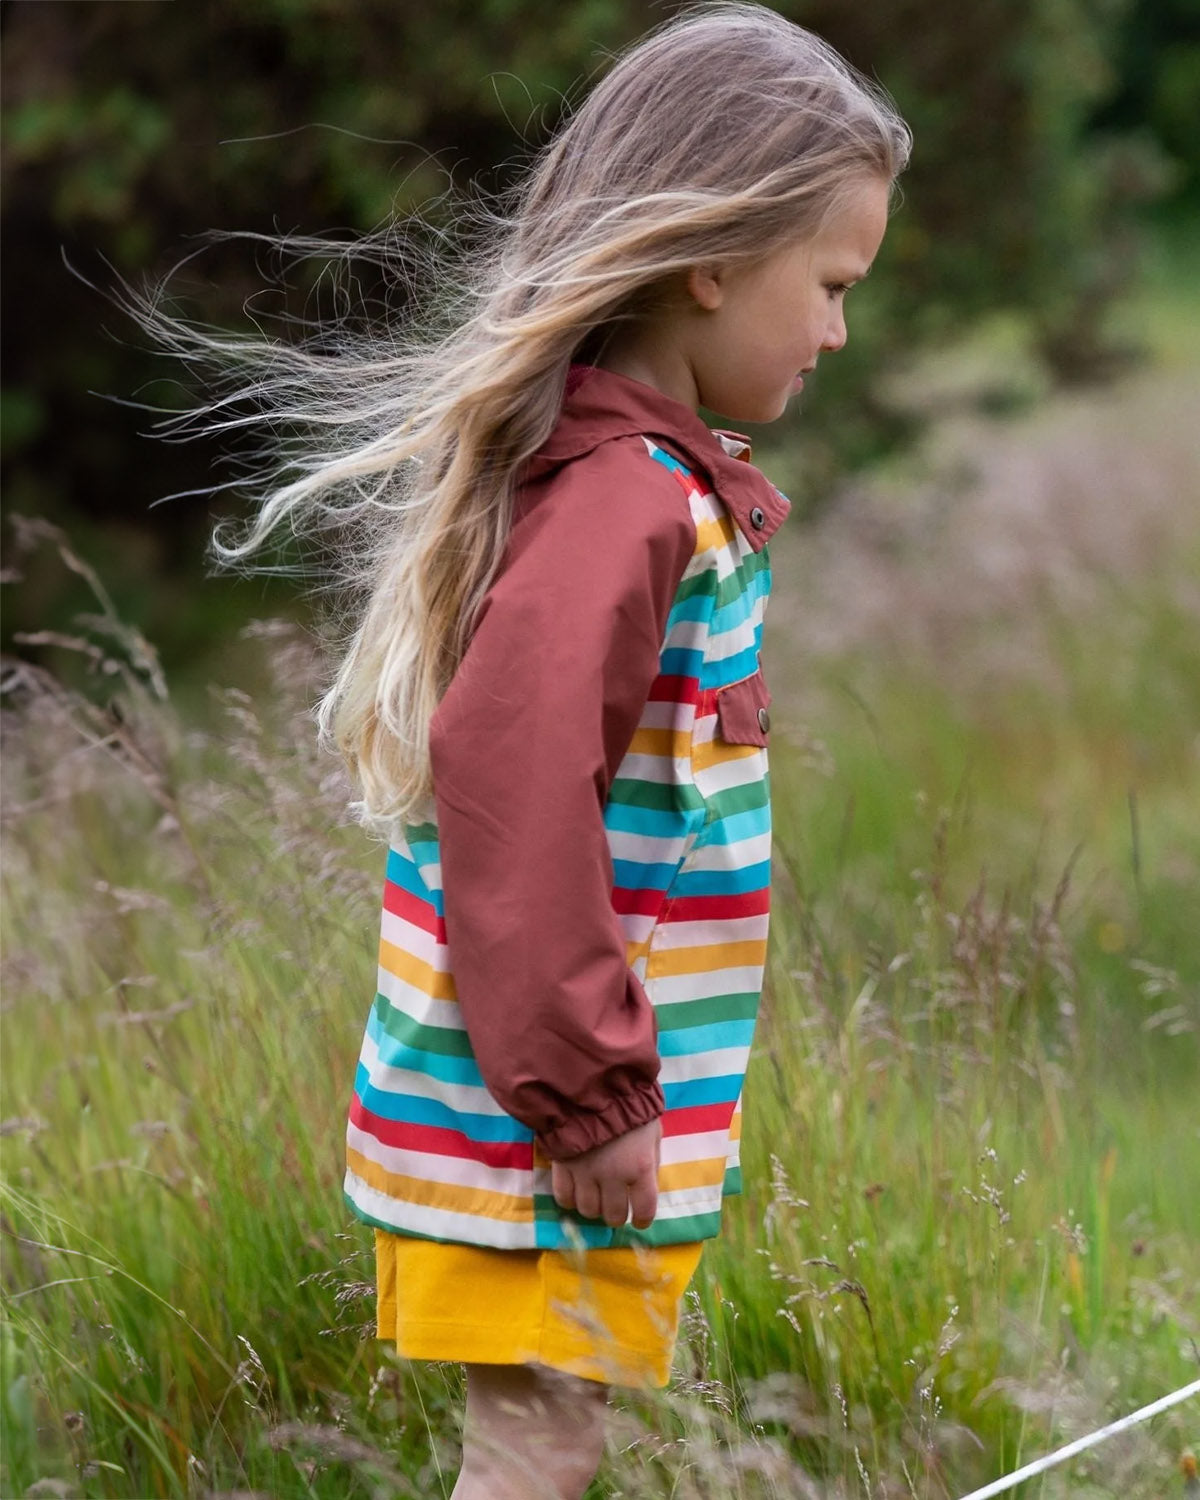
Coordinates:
(835,333)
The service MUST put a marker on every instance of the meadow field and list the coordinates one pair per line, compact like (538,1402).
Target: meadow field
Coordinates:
(971,1224)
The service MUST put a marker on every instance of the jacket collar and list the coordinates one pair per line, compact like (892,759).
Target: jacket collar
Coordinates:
(600,404)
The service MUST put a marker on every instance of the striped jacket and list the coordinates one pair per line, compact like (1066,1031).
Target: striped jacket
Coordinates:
(574,932)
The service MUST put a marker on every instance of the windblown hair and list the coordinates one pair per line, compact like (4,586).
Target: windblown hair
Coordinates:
(722,134)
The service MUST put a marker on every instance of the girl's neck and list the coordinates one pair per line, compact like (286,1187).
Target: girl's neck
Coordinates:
(655,364)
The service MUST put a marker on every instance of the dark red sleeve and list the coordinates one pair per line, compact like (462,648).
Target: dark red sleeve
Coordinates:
(524,748)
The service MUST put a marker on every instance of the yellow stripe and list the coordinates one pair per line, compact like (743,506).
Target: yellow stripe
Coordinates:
(691,1174)
(447,1196)
(711,536)
(735,1126)
(675,744)
(422,976)
(634,951)
(706,959)
(712,752)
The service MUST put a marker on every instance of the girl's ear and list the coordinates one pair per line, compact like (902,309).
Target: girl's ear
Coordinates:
(706,285)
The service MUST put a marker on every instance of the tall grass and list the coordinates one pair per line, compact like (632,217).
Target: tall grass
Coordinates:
(970,1225)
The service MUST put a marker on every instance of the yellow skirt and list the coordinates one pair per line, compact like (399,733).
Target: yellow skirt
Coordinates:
(607,1315)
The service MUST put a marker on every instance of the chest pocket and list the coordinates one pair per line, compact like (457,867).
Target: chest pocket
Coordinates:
(743,711)
(732,767)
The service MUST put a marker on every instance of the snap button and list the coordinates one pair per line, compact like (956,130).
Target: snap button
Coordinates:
(758,518)
(764,720)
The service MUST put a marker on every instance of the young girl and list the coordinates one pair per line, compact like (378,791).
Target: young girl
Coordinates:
(554,707)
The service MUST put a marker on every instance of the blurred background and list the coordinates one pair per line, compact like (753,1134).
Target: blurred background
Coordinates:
(972,1168)
(1056,171)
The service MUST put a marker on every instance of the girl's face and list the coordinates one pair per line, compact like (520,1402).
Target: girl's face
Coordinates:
(740,340)
(760,328)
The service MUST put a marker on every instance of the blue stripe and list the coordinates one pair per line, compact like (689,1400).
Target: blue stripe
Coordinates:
(549,1235)
(738,611)
(415,1111)
(723,882)
(669,461)
(632,875)
(723,1090)
(717,674)
(654,823)
(677,661)
(696,607)
(404,873)
(734,827)
(686,1040)
(440,1065)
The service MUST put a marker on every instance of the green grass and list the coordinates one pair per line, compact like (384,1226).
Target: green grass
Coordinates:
(970,1227)
(969,1230)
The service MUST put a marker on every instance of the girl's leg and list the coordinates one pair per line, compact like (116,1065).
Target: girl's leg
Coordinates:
(531,1433)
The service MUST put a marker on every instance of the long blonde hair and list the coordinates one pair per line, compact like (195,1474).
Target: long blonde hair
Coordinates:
(723,133)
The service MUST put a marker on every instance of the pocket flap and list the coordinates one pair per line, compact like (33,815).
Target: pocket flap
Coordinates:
(742,715)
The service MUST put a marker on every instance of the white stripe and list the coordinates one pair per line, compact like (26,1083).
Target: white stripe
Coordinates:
(414,1001)
(734,856)
(670,989)
(438,1223)
(666,713)
(663,770)
(701,1145)
(686,635)
(681,1201)
(468,1098)
(732,642)
(740,770)
(645,849)
(418,941)
(710,934)
(635,926)
(713,1062)
(455,1171)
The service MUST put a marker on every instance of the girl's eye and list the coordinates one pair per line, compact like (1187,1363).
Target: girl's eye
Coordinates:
(838,288)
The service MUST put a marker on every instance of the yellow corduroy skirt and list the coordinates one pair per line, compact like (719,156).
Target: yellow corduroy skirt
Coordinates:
(607,1315)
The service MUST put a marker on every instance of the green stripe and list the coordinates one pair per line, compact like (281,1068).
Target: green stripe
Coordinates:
(671,1231)
(631,792)
(684,1013)
(449,1041)
(420,833)
(404,1234)
(738,799)
(733,586)
(661,1232)
(700,583)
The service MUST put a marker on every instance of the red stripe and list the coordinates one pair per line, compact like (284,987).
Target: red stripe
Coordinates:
(668,687)
(404,904)
(682,477)
(643,903)
(441,1142)
(698,1120)
(718,908)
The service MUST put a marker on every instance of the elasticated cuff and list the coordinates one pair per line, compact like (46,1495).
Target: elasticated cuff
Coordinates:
(581,1132)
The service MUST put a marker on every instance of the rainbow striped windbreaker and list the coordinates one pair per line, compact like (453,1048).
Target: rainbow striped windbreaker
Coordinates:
(685,875)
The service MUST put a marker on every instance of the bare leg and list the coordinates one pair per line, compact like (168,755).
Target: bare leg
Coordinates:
(530,1434)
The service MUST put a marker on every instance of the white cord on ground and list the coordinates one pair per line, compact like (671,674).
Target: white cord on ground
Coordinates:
(998,1486)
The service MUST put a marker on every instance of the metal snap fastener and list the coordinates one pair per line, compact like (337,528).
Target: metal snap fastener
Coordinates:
(758,518)
(764,720)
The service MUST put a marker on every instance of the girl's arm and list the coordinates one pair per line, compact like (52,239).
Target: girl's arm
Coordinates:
(524,748)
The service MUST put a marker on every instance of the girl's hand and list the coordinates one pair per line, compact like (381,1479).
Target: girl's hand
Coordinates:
(615,1180)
